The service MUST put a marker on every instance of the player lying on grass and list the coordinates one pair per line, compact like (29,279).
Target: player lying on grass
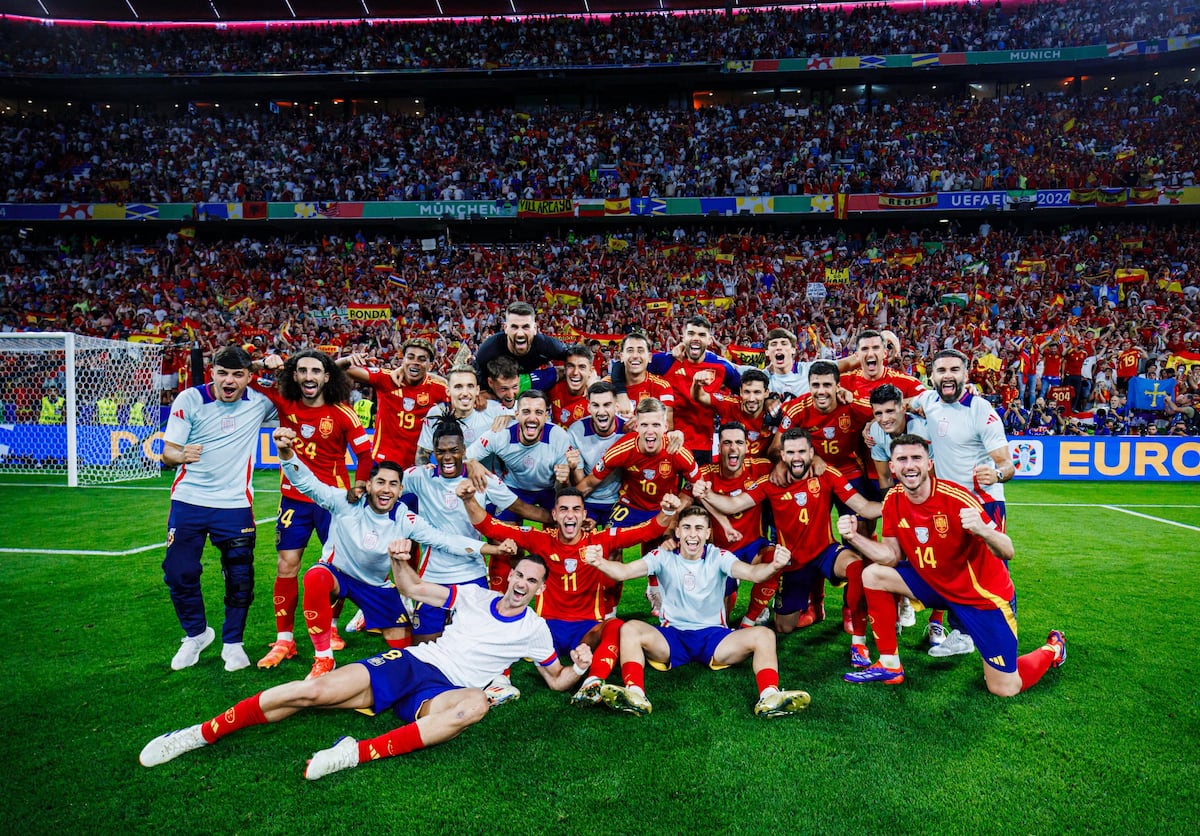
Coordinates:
(693,619)
(435,688)
(956,557)
(354,560)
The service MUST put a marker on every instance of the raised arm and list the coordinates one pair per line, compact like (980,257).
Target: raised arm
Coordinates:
(594,556)
(885,553)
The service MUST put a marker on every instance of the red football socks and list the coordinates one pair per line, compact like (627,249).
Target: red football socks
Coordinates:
(1033,665)
(287,593)
(318,611)
(245,713)
(855,599)
(634,675)
(604,659)
(882,609)
(767,678)
(399,741)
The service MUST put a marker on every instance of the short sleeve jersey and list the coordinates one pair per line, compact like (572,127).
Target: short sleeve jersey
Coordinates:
(528,467)
(398,415)
(961,434)
(693,591)
(229,433)
(480,643)
(729,408)
(835,435)
(323,435)
(565,408)
(591,449)
(858,383)
(474,425)
(958,565)
(801,511)
(648,476)
(652,386)
(881,442)
(748,523)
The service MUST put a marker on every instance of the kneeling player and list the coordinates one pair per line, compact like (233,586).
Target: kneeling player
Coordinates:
(957,558)
(436,688)
(693,619)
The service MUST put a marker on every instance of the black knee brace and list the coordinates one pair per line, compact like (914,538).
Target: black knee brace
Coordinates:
(237,565)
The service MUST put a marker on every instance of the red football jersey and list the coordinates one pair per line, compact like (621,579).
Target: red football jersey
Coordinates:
(958,565)
(399,411)
(565,408)
(652,387)
(574,590)
(857,383)
(729,408)
(836,436)
(748,523)
(1128,362)
(324,434)
(694,419)
(802,511)
(647,475)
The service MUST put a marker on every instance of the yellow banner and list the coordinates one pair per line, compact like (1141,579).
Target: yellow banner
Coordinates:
(368,313)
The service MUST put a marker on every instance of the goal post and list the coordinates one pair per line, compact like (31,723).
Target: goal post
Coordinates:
(81,407)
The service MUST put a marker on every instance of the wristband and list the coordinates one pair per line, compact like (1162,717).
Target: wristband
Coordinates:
(667,513)
(578,671)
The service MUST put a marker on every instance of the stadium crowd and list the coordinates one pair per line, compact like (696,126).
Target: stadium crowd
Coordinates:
(704,37)
(1133,138)
(992,293)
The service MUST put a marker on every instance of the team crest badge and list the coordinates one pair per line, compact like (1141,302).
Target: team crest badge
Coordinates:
(943,427)
(527,462)
(689,582)
(423,398)
(307,430)
(922,534)
(647,474)
(449,500)
(326,427)
(570,564)
(755,435)
(830,432)
(409,403)
(228,425)
(564,416)
(801,499)
(814,486)
(664,468)
(749,483)
(371,539)
(844,423)
(941,524)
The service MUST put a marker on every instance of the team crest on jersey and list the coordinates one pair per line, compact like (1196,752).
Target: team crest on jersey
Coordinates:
(571,564)
(814,486)
(371,539)
(748,484)
(326,427)
(689,582)
(423,399)
(943,427)
(527,462)
(755,435)
(830,432)
(409,403)
(801,499)
(229,424)
(922,534)
(941,524)
(844,423)
(449,500)
(647,474)
(307,430)
(664,468)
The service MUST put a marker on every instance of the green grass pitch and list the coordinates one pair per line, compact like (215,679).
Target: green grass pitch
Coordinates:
(1109,743)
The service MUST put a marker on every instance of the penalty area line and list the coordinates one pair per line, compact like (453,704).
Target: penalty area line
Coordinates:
(1148,517)
(97,553)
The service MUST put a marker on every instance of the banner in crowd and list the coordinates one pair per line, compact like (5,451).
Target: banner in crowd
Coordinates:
(1110,458)
(368,313)
(681,207)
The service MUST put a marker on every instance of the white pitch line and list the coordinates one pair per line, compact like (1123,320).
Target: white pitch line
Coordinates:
(1148,517)
(92,553)
(164,489)
(1089,505)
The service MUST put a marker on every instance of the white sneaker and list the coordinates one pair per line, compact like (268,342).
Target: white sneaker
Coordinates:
(500,691)
(935,632)
(235,657)
(358,623)
(956,644)
(167,747)
(339,756)
(189,653)
(654,596)
(908,616)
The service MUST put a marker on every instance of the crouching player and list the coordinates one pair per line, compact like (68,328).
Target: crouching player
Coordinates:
(693,619)
(956,557)
(435,688)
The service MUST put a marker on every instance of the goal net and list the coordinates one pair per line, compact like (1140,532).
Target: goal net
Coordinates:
(80,407)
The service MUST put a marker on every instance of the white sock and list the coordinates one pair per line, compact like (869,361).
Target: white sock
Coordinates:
(324,654)
(768,691)
(637,689)
(858,640)
(285,637)
(890,660)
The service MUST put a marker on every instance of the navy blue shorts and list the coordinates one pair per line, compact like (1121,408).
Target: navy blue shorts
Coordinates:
(568,635)
(297,521)
(691,646)
(599,512)
(994,630)
(996,510)
(403,683)
(794,585)
(625,517)
(429,620)
(539,499)
(381,605)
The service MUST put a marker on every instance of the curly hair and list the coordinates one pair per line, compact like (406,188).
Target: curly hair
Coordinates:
(337,388)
